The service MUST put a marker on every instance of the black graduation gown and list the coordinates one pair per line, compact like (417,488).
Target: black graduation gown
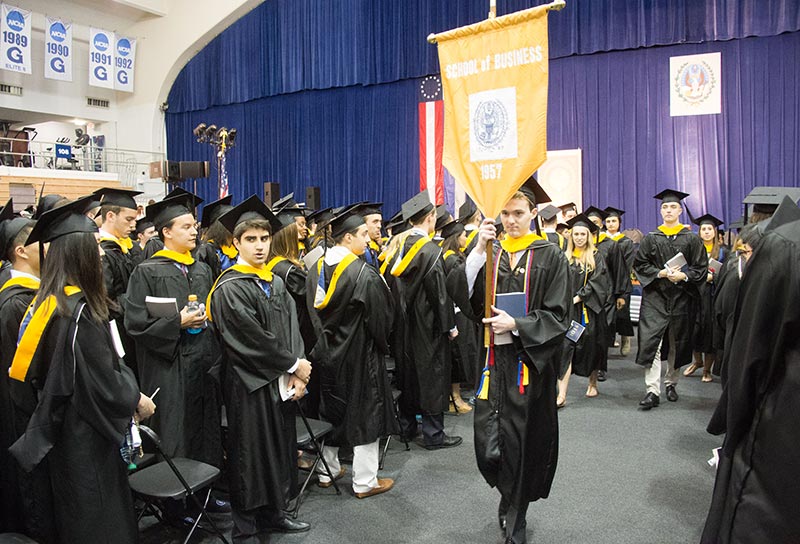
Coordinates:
(619,275)
(589,353)
(135,254)
(261,341)
(117,269)
(152,246)
(424,350)
(188,418)
(85,406)
(755,498)
(557,239)
(25,498)
(623,325)
(666,304)
(703,339)
(466,347)
(724,304)
(516,435)
(472,240)
(356,323)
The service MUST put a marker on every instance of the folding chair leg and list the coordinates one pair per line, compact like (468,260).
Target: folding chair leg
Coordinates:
(202,513)
(318,446)
(383,453)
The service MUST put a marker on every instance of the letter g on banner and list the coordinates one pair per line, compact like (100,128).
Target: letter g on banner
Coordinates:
(57,64)
(101,73)
(15,55)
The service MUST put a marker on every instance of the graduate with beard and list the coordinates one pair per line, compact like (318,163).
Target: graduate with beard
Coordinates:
(353,309)
(516,425)
(175,353)
(755,499)
(427,327)
(25,504)
(256,323)
(86,396)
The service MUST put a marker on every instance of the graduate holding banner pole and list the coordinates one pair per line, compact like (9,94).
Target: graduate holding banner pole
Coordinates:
(495,76)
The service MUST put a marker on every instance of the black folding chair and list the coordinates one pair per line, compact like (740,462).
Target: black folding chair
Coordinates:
(395,396)
(175,479)
(311,435)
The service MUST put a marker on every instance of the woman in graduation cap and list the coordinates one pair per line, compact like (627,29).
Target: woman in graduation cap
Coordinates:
(704,352)
(354,308)
(591,286)
(256,322)
(465,347)
(516,424)
(87,397)
(174,351)
(216,246)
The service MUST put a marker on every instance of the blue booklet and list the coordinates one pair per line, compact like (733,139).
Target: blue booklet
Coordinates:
(575,331)
(511,303)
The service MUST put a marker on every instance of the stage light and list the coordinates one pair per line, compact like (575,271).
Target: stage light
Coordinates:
(211,131)
(199,131)
(231,136)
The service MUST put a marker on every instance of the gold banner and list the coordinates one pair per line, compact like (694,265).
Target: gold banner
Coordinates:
(494,80)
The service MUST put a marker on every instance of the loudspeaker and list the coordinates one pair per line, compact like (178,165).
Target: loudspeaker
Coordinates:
(272,193)
(313,200)
(194,169)
(173,171)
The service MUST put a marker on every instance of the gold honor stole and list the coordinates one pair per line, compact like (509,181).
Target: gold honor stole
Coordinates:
(125,244)
(322,298)
(617,237)
(22,281)
(671,231)
(182,258)
(262,274)
(271,264)
(448,253)
(401,266)
(229,251)
(33,333)
(470,238)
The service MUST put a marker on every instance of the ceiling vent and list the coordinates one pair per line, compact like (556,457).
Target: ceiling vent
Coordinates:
(96,102)
(10,89)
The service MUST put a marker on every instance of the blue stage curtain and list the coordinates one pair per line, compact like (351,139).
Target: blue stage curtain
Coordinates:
(286,46)
(361,142)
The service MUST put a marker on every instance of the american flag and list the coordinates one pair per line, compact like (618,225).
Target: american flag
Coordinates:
(433,177)
(223,176)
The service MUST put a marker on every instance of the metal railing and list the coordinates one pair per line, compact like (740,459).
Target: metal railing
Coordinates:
(128,164)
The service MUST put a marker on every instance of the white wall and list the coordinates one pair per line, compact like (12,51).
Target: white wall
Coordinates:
(165,44)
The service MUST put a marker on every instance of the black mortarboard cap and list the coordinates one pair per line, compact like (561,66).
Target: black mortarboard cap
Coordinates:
(7,211)
(708,218)
(568,206)
(417,207)
(670,195)
(214,210)
(46,203)
(66,219)
(370,208)
(179,191)
(317,216)
(738,224)
(168,209)
(347,220)
(582,220)
(548,213)
(143,224)
(453,228)
(534,191)
(595,211)
(466,210)
(252,208)
(614,212)
(394,221)
(787,212)
(285,201)
(443,217)
(286,216)
(767,199)
(111,196)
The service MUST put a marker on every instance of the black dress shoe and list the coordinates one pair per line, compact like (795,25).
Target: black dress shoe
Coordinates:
(501,519)
(650,400)
(218,506)
(288,525)
(672,395)
(601,375)
(448,442)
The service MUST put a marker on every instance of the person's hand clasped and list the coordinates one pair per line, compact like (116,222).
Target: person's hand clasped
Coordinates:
(192,320)
(620,303)
(299,386)
(303,371)
(501,322)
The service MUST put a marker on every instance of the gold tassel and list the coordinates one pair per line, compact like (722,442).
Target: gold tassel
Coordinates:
(483,391)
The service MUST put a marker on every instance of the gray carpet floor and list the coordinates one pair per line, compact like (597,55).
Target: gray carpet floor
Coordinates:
(624,476)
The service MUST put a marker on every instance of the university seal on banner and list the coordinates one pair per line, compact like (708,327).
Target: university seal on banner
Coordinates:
(694,82)
(493,124)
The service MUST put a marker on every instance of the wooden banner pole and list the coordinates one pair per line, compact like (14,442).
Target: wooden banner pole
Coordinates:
(489,296)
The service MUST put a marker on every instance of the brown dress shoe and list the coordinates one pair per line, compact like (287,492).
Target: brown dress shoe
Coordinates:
(384,485)
(329,483)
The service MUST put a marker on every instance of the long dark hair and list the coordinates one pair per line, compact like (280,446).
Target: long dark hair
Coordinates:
(74,259)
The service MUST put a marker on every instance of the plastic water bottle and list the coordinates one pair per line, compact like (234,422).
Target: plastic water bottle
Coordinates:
(194,306)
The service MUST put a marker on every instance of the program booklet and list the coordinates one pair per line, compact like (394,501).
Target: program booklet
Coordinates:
(677,262)
(714,266)
(511,303)
(161,306)
(575,331)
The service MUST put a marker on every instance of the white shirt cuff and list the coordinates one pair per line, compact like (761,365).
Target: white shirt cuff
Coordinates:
(472,267)
(294,367)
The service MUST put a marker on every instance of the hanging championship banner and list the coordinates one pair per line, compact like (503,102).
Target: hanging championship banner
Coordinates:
(695,84)
(58,50)
(494,78)
(124,64)
(101,58)
(15,47)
